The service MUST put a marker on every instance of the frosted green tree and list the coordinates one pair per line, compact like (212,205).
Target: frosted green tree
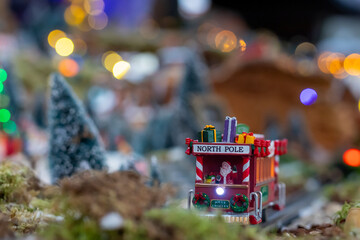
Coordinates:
(74,139)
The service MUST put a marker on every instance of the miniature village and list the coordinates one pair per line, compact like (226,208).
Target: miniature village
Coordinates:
(178,119)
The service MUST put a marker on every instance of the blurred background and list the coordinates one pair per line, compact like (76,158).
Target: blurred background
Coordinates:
(153,72)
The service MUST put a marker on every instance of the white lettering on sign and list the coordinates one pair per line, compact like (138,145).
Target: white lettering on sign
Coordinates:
(221,149)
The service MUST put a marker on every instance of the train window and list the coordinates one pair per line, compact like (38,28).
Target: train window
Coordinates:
(264,169)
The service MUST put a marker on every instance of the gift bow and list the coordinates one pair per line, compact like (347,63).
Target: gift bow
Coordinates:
(209,127)
(238,198)
(199,197)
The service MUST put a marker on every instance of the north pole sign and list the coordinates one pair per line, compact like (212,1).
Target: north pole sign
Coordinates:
(223,149)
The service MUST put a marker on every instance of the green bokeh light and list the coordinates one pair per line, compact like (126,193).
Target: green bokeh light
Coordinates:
(9,127)
(1,87)
(4,115)
(3,75)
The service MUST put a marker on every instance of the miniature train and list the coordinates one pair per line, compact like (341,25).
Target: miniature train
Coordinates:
(241,195)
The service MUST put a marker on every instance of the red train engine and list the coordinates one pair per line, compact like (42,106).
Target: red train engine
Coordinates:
(237,172)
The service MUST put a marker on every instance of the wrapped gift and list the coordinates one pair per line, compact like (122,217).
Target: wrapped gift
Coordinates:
(241,138)
(230,129)
(250,138)
(241,128)
(210,134)
(247,138)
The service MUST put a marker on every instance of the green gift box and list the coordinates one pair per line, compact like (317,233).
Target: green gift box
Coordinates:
(209,134)
(240,128)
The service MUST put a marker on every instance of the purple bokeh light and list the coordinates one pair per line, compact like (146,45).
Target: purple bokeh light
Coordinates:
(308,96)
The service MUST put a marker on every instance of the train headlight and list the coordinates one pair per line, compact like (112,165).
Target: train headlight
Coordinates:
(220,191)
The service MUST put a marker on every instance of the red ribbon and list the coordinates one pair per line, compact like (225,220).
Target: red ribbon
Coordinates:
(199,198)
(238,198)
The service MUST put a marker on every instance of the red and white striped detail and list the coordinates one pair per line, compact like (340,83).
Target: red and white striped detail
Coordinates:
(246,170)
(277,158)
(199,169)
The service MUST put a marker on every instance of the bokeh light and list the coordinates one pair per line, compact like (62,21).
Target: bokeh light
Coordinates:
(9,127)
(322,60)
(359,105)
(308,96)
(68,67)
(74,15)
(4,115)
(98,22)
(335,63)
(142,66)
(242,45)
(352,64)
(109,59)
(225,41)
(3,75)
(64,47)
(94,7)
(305,49)
(1,87)
(192,8)
(54,36)
(351,157)
(120,69)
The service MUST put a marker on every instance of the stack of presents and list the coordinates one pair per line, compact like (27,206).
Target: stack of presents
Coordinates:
(233,133)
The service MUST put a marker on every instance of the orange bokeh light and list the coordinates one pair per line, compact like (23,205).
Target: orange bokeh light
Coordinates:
(225,41)
(74,15)
(68,67)
(322,59)
(352,64)
(352,157)
(335,63)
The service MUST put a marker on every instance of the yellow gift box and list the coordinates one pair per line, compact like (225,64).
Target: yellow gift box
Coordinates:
(250,139)
(241,138)
(245,138)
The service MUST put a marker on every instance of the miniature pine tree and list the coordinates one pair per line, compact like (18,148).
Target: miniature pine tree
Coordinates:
(193,84)
(74,140)
(193,81)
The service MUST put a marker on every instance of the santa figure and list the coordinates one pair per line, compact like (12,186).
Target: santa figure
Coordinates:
(225,171)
